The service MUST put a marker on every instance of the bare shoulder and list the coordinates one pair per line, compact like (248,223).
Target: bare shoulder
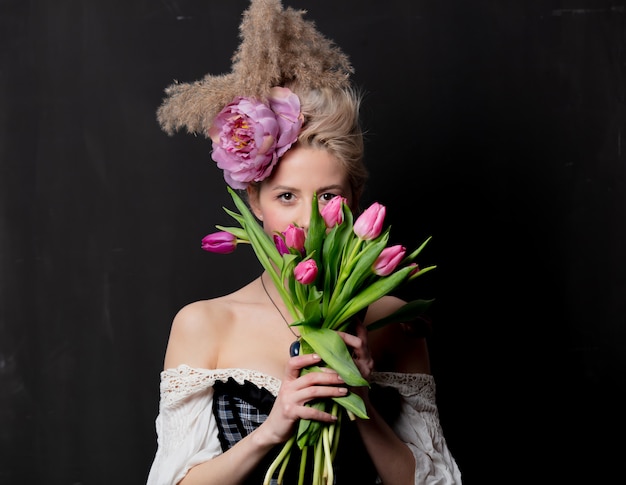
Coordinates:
(196,333)
(396,347)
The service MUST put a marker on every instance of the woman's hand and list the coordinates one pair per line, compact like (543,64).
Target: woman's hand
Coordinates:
(295,391)
(360,349)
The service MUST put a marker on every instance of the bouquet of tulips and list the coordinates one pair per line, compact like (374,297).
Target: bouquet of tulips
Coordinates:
(326,276)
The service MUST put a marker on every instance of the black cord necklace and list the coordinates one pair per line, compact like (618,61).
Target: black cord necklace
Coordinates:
(294,348)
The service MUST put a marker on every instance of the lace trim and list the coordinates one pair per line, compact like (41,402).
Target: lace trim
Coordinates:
(183,381)
(407,384)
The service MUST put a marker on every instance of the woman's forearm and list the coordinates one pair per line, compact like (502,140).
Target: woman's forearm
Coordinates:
(233,466)
(392,458)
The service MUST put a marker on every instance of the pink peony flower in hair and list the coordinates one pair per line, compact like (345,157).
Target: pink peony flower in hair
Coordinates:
(244,138)
(286,105)
(249,136)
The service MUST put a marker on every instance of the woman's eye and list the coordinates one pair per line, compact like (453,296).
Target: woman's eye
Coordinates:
(327,197)
(287,196)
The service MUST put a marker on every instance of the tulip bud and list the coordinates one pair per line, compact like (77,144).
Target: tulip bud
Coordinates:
(332,213)
(294,237)
(279,242)
(369,225)
(305,271)
(388,259)
(219,242)
(416,269)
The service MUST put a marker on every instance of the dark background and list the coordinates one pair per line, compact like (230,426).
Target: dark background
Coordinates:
(497,127)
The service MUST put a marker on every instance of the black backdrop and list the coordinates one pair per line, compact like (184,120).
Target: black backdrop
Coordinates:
(496,127)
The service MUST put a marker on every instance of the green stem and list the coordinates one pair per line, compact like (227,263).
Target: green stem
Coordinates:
(317,467)
(332,427)
(284,454)
(303,458)
(328,462)
(337,433)
(286,296)
(283,468)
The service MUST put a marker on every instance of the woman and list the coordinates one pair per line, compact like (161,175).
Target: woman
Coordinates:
(231,394)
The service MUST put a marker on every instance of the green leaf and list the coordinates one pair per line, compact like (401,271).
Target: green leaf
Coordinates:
(358,274)
(353,403)
(315,234)
(414,254)
(286,275)
(407,312)
(368,296)
(340,239)
(421,272)
(313,308)
(305,348)
(262,244)
(309,430)
(235,231)
(333,351)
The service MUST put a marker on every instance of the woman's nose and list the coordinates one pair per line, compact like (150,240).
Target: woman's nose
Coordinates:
(304,215)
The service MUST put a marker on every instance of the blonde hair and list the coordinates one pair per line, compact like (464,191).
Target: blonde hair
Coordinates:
(332,122)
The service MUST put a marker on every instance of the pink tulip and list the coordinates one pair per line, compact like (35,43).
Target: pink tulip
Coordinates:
(388,259)
(369,225)
(279,242)
(416,269)
(219,242)
(332,213)
(294,237)
(306,271)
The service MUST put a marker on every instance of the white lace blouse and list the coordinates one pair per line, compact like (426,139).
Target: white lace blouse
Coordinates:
(187,433)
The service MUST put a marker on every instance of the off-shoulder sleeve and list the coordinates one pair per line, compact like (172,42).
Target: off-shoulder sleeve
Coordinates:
(185,426)
(419,427)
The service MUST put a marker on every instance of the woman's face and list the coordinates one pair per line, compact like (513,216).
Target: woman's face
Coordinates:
(286,196)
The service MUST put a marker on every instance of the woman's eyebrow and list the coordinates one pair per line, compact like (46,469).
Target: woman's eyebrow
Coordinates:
(285,188)
(330,187)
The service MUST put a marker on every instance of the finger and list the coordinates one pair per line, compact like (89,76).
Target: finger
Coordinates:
(297,363)
(355,344)
(309,412)
(361,331)
(312,393)
(350,340)
(321,376)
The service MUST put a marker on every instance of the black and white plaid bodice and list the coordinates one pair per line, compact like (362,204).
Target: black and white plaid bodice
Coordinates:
(240,408)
